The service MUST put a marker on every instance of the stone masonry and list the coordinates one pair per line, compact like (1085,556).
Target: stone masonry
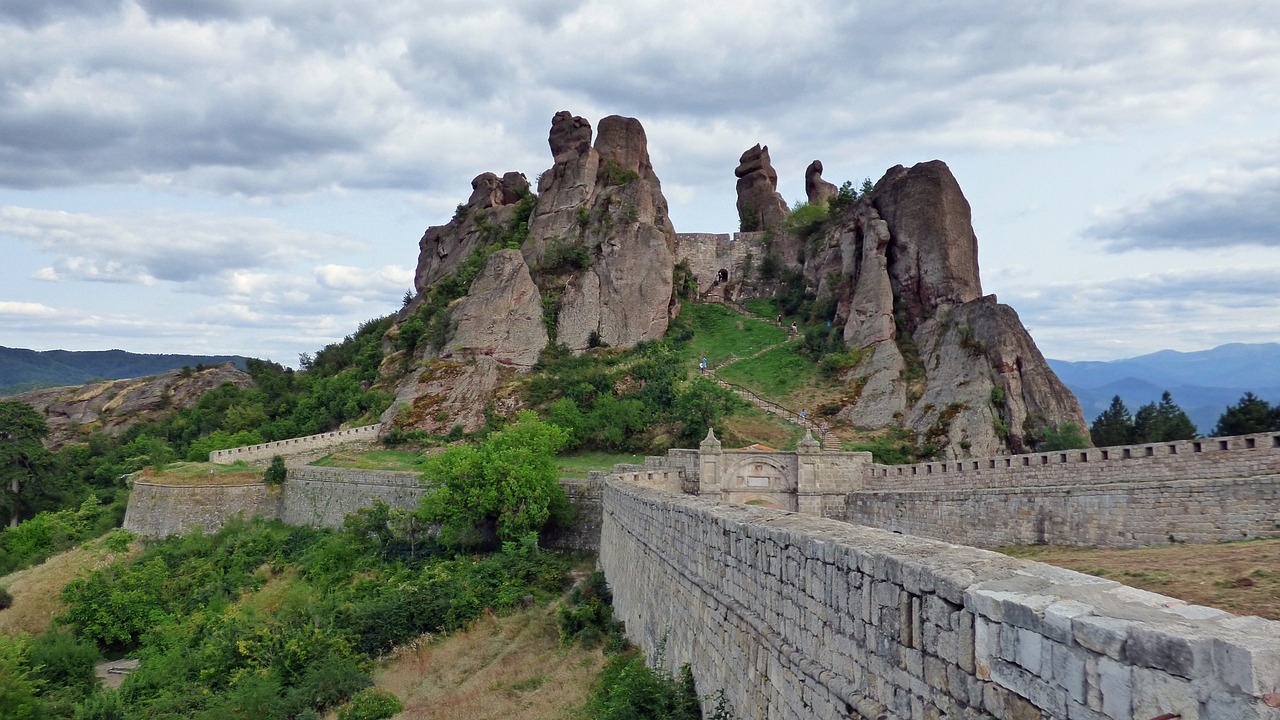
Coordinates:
(261,454)
(794,616)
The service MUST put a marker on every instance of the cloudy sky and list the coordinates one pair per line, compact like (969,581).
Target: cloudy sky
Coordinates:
(252,176)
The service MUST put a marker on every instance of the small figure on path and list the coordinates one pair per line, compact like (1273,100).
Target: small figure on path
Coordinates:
(804,416)
(825,428)
(702,366)
(794,329)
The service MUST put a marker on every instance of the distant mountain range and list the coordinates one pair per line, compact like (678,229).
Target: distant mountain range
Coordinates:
(1202,383)
(22,370)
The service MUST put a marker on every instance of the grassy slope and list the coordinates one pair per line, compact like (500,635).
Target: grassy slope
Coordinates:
(500,667)
(35,590)
(203,473)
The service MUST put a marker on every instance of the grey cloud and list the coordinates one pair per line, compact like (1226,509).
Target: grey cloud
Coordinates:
(34,13)
(193,9)
(300,97)
(1241,212)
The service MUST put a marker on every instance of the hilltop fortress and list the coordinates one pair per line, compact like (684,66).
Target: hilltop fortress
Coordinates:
(840,604)
(815,584)
(592,259)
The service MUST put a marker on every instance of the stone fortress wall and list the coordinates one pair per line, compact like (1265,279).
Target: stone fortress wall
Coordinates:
(323,497)
(261,454)
(1199,491)
(796,616)
(722,256)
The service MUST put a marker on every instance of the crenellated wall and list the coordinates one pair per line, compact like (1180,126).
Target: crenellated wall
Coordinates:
(1194,491)
(796,616)
(259,454)
(1199,459)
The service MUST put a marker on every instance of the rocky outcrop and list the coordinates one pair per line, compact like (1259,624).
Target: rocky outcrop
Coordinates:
(112,406)
(493,203)
(600,237)
(933,259)
(937,357)
(818,191)
(934,355)
(760,207)
(594,266)
(501,317)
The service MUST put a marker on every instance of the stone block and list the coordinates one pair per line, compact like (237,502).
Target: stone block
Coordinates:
(1030,645)
(1067,670)
(1247,663)
(1103,635)
(1175,650)
(986,647)
(1115,684)
(1156,693)
(1058,617)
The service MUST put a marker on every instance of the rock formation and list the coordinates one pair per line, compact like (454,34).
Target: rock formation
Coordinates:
(113,405)
(604,201)
(935,356)
(594,267)
(760,207)
(492,204)
(818,191)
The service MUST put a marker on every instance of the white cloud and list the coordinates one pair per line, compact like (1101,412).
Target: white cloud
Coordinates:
(25,309)
(148,247)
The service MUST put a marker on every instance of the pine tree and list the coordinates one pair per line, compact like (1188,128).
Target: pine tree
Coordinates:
(1162,422)
(1251,415)
(1114,426)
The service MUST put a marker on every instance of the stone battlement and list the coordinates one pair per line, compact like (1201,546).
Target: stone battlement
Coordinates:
(1202,459)
(257,454)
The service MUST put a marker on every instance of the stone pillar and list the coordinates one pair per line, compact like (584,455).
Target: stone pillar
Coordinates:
(808,487)
(710,462)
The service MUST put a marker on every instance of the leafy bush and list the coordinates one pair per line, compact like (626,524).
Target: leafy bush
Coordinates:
(509,479)
(563,256)
(629,689)
(276,473)
(587,617)
(806,219)
(370,704)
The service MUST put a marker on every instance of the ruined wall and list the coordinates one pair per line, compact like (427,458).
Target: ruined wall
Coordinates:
(163,510)
(709,253)
(261,454)
(801,617)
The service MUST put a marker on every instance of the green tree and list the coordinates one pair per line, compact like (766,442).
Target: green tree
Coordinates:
(18,689)
(1162,422)
(508,480)
(24,462)
(276,471)
(1062,437)
(1251,415)
(1114,426)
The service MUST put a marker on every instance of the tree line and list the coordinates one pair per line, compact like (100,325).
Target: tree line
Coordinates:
(1165,421)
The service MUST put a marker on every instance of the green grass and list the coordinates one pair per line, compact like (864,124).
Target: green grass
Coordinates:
(764,307)
(721,333)
(578,465)
(374,460)
(774,375)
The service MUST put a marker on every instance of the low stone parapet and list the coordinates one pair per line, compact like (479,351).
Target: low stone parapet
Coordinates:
(795,617)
